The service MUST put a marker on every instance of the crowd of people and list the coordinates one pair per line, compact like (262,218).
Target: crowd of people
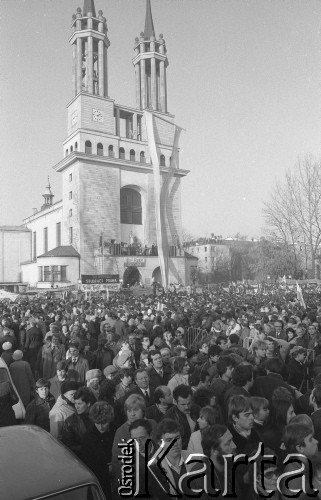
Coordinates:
(217,373)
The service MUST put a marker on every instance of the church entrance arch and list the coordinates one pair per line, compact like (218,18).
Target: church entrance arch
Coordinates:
(131,276)
(157,276)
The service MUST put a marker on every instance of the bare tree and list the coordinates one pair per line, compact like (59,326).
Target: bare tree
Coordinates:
(293,213)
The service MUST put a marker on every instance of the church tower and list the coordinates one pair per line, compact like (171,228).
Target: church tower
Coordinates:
(113,208)
(89,43)
(150,64)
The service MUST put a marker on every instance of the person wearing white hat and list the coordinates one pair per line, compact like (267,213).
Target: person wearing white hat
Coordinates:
(7,353)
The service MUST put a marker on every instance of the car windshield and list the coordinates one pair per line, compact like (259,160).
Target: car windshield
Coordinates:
(87,492)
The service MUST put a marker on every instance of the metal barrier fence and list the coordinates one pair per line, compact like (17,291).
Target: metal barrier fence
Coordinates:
(195,336)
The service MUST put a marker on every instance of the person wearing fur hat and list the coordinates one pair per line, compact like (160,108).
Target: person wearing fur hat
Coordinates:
(93,379)
(37,412)
(22,377)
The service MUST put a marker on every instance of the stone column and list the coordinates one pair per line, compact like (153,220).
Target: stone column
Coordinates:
(90,65)
(74,68)
(162,86)
(143,83)
(117,122)
(105,72)
(135,126)
(101,67)
(137,80)
(153,79)
(79,65)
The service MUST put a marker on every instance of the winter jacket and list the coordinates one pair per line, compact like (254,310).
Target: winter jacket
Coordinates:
(58,414)
(37,412)
(22,378)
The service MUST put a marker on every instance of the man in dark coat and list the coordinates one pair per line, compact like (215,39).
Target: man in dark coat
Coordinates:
(77,364)
(37,412)
(181,412)
(158,373)
(22,377)
(264,386)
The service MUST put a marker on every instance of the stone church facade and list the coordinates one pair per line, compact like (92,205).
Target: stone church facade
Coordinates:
(120,211)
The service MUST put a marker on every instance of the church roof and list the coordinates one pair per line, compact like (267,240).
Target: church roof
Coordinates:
(89,6)
(149,25)
(63,251)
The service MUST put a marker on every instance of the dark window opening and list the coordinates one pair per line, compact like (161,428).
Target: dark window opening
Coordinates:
(130,206)
(132,155)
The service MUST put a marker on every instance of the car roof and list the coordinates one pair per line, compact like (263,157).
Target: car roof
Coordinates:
(34,464)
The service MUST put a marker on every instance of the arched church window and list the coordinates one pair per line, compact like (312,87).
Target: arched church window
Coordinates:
(130,206)
(66,152)
(71,149)
(100,149)
(142,157)
(76,146)
(111,151)
(88,148)
(132,155)
(122,153)
(162,161)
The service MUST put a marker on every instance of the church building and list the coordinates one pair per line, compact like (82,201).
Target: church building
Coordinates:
(120,212)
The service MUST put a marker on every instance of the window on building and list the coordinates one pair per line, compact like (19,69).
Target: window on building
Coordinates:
(52,273)
(100,149)
(205,259)
(162,161)
(122,153)
(71,149)
(70,236)
(70,212)
(34,246)
(142,157)
(70,195)
(88,147)
(58,234)
(132,155)
(205,249)
(45,239)
(111,151)
(46,273)
(130,206)
(76,146)
(70,177)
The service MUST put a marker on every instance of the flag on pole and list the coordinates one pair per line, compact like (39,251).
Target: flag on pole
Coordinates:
(299,295)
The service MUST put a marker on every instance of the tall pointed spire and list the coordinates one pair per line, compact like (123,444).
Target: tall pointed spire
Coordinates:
(89,6)
(149,25)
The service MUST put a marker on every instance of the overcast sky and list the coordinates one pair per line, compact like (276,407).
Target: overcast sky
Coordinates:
(243,80)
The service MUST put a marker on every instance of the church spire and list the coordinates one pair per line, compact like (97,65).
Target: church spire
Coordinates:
(150,62)
(48,196)
(149,25)
(89,6)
